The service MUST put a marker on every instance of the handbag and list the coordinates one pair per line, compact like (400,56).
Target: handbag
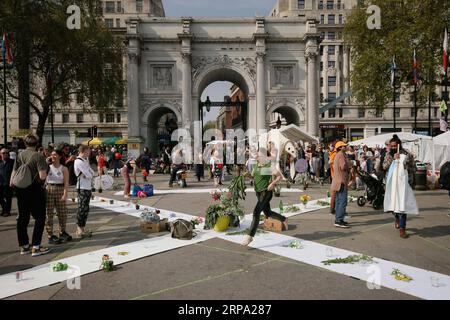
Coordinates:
(134,190)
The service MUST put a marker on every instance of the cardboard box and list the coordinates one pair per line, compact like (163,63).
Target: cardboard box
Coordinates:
(150,227)
(273,225)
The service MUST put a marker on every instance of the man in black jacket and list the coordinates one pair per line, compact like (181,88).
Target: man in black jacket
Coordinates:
(6,192)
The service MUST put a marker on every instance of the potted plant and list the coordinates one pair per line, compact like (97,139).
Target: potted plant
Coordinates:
(225,211)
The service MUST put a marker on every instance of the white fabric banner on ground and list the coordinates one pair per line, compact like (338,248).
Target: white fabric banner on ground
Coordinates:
(199,190)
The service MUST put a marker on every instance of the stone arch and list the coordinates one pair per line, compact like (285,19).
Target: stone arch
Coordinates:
(218,72)
(152,115)
(290,110)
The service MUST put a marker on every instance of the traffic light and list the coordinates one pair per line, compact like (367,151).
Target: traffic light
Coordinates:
(89,132)
(94,131)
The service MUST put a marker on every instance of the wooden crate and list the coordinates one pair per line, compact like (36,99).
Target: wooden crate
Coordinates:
(273,225)
(150,227)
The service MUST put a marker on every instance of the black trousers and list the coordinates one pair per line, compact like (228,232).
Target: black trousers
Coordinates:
(31,202)
(173,175)
(6,193)
(263,205)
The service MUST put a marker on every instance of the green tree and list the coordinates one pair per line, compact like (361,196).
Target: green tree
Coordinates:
(405,25)
(59,62)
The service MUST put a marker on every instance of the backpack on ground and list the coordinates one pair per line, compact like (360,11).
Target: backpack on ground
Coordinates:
(23,177)
(182,229)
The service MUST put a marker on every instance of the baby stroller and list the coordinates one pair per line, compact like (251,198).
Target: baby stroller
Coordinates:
(374,193)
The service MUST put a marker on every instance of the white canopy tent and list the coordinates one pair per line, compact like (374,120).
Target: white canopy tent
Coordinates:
(441,149)
(419,145)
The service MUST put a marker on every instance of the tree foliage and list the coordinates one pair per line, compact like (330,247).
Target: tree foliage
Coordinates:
(63,62)
(405,25)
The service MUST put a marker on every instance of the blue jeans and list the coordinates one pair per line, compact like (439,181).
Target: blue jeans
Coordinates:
(402,218)
(341,204)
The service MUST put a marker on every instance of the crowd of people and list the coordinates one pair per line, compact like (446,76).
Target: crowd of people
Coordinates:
(55,168)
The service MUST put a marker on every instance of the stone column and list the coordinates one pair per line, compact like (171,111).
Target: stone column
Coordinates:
(313,105)
(186,90)
(260,91)
(133,92)
(338,72)
(325,72)
(345,64)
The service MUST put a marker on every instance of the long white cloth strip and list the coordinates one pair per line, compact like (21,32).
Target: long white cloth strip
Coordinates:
(209,190)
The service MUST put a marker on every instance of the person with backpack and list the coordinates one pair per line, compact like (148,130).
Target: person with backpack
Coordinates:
(29,173)
(6,192)
(84,174)
(57,191)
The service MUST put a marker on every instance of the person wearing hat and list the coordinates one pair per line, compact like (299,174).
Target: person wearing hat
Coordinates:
(339,185)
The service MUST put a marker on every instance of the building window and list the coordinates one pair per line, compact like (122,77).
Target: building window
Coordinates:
(331,19)
(331,81)
(378,113)
(321,82)
(110,118)
(109,23)
(361,113)
(331,35)
(80,117)
(110,7)
(101,118)
(330,4)
(331,64)
(65,118)
(322,19)
(341,19)
(412,112)
(117,23)
(321,98)
(397,97)
(301,4)
(435,110)
(322,35)
(397,113)
(51,118)
(331,96)
(320,6)
(119,6)
(341,112)
(332,113)
(338,4)
(139,6)
(321,50)
(119,118)
(321,66)
(331,50)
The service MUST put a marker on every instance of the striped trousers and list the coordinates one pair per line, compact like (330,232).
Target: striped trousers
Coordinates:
(54,195)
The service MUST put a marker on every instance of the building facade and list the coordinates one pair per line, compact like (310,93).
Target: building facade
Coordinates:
(348,119)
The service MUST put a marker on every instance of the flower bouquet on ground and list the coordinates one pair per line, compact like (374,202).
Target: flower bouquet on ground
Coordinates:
(305,199)
(400,276)
(361,259)
(197,221)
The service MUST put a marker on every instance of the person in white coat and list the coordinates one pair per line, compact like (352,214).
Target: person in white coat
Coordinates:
(399,197)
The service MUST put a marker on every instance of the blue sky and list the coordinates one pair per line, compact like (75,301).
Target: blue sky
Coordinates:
(217,8)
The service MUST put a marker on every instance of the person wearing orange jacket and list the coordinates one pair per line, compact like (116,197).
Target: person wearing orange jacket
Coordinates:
(332,155)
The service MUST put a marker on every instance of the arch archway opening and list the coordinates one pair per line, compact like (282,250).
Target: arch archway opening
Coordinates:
(161,123)
(284,116)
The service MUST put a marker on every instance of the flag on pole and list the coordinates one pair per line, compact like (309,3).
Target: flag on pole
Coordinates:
(6,50)
(443,106)
(393,70)
(415,74)
(445,51)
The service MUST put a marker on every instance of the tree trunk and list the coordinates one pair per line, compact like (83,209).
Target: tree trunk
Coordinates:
(23,63)
(42,119)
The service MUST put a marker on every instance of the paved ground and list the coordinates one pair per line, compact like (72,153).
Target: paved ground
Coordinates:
(217,269)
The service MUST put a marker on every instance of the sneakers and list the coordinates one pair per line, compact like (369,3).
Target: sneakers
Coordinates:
(36,252)
(25,250)
(342,224)
(54,240)
(65,237)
